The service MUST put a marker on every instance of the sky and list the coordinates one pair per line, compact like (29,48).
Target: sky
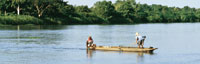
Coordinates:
(171,3)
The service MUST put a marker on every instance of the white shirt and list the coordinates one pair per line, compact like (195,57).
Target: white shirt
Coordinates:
(139,38)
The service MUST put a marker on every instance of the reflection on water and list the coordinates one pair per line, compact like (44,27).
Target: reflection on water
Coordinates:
(90,53)
(178,44)
(30,34)
(139,58)
(33,27)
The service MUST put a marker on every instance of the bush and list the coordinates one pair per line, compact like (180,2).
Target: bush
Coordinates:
(86,19)
(20,20)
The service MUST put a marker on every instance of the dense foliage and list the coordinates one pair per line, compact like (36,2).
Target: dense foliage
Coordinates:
(19,20)
(56,12)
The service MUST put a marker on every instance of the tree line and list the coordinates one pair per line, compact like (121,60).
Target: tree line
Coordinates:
(59,12)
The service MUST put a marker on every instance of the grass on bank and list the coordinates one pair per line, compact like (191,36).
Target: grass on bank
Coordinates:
(19,20)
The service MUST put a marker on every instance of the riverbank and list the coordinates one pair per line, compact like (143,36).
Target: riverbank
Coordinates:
(31,20)
(20,20)
(103,12)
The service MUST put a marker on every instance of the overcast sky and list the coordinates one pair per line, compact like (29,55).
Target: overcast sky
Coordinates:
(176,3)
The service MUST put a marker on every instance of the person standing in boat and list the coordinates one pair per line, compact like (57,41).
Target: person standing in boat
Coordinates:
(140,40)
(89,42)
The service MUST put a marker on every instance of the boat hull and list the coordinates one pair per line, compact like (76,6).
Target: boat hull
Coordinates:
(126,49)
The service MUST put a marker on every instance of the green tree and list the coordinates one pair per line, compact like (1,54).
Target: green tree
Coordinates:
(141,13)
(104,9)
(86,16)
(16,4)
(82,9)
(126,9)
(60,9)
(4,6)
(42,5)
(198,15)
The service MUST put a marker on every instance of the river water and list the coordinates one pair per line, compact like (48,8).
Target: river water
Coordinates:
(177,43)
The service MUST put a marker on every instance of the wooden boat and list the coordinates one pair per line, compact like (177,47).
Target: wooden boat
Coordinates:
(122,48)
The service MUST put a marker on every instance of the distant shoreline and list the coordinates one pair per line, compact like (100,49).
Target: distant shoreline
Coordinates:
(59,12)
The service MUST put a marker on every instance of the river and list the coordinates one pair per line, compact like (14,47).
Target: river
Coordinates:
(177,43)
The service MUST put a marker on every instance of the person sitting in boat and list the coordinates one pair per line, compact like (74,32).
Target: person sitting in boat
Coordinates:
(89,42)
(140,40)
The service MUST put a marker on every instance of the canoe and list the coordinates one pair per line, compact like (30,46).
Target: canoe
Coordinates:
(123,48)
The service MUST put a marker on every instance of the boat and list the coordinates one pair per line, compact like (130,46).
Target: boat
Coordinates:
(122,48)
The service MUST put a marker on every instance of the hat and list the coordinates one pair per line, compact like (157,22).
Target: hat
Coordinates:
(137,34)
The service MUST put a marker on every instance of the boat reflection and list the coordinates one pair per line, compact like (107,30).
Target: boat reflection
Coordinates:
(90,53)
(140,55)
